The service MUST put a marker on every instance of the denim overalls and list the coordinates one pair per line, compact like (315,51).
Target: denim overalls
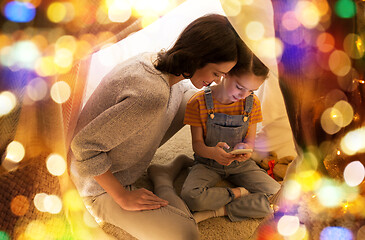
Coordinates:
(199,191)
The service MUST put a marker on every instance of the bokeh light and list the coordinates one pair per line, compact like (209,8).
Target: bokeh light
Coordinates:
(119,10)
(354,173)
(45,66)
(143,8)
(300,234)
(7,102)
(39,201)
(353,141)
(307,14)
(5,40)
(347,113)
(353,46)
(288,225)
(63,58)
(334,96)
(55,50)
(72,200)
(290,21)
(4,236)
(19,205)
(66,42)
(331,120)
(56,12)
(309,163)
(37,89)
(35,228)
(322,6)
(56,164)
(17,11)
(15,152)
(233,7)
(52,204)
(336,233)
(309,180)
(270,48)
(329,194)
(325,42)
(60,92)
(345,8)
(255,30)
(339,63)
(292,190)
(22,54)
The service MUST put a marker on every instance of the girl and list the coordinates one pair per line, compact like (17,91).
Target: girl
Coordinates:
(222,118)
(135,109)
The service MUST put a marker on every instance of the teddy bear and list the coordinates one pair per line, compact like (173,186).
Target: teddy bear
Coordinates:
(275,167)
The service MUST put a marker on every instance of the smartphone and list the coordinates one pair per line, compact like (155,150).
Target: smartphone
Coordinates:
(241,151)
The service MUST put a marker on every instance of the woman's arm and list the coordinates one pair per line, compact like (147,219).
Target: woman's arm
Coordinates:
(217,153)
(140,199)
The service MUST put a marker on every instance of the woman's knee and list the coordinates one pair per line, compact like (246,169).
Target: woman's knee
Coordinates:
(187,230)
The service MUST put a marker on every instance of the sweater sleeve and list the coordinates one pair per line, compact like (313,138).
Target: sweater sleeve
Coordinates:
(132,112)
(192,111)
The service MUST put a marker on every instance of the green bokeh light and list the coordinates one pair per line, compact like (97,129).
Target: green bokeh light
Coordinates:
(345,8)
(4,236)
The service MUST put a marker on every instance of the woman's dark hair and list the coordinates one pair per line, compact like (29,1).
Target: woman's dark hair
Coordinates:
(248,62)
(208,39)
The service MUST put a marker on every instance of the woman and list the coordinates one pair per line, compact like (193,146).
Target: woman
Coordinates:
(131,113)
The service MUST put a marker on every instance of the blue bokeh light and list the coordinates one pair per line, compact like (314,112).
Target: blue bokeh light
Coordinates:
(336,233)
(19,11)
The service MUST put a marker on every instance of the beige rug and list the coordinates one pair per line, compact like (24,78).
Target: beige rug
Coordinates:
(216,228)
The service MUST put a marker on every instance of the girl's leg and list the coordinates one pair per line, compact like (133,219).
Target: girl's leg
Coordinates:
(259,184)
(199,192)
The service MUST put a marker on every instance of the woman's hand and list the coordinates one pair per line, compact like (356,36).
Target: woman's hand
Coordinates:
(242,157)
(221,156)
(140,199)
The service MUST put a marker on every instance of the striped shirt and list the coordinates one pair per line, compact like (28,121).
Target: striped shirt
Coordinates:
(196,113)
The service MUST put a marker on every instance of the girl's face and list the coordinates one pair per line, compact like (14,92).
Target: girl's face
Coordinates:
(236,88)
(211,72)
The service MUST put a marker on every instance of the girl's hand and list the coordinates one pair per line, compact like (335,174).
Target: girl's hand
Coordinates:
(140,199)
(242,157)
(221,156)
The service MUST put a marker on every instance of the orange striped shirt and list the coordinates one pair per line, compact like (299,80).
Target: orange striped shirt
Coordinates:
(196,113)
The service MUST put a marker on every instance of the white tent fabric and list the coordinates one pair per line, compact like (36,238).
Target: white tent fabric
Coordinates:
(275,133)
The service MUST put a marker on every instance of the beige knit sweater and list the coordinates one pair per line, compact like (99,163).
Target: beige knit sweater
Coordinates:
(123,123)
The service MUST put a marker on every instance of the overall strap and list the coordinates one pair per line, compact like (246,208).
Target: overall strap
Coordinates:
(248,107)
(249,103)
(209,101)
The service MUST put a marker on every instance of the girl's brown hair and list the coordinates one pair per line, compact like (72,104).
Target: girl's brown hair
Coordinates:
(249,63)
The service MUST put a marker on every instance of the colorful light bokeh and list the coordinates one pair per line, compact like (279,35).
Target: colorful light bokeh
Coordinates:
(336,233)
(46,40)
(19,11)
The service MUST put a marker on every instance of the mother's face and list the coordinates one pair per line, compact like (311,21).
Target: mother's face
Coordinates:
(210,72)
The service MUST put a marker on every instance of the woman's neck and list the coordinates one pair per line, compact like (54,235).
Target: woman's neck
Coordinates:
(173,79)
